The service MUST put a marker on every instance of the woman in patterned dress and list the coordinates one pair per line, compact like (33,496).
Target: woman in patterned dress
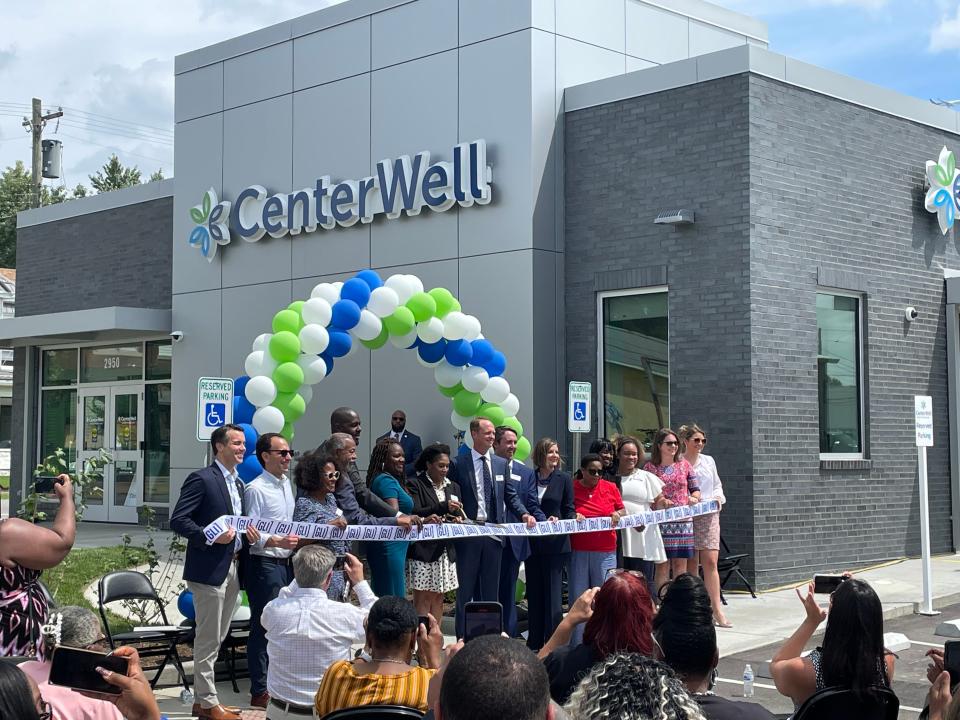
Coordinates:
(316,475)
(431,566)
(679,488)
(26,550)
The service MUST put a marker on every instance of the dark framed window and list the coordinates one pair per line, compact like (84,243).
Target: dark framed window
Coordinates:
(110,363)
(59,367)
(839,374)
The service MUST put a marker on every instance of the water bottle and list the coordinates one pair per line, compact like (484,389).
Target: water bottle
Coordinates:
(748,681)
(186,696)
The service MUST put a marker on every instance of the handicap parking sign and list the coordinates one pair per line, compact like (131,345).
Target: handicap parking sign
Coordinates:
(215,414)
(579,395)
(214,405)
(579,411)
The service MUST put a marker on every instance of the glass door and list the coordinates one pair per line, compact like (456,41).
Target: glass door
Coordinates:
(110,419)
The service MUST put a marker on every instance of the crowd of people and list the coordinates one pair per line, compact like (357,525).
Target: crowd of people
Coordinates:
(639,639)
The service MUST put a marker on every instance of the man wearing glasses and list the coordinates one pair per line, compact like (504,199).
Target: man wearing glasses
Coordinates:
(267,497)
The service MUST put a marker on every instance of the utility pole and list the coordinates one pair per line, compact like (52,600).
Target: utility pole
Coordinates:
(34,126)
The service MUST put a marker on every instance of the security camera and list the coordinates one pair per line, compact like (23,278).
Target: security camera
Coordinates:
(910,313)
(176,335)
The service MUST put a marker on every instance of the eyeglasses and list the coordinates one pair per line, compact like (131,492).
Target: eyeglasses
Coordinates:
(657,646)
(44,710)
(282,453)
(671,443)
(699,441)
(335,475)
(592,472)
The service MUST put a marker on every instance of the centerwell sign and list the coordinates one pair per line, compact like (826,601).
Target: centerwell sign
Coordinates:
(399,185)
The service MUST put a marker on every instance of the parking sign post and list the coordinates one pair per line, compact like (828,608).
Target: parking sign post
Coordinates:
(579,396)
(923,424)
(214,405)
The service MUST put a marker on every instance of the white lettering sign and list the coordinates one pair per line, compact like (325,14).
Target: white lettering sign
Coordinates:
(923,419)
(214,405)
(578,407)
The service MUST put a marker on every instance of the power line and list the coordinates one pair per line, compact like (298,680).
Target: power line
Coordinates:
(113,119)
(115,149)
(131,134)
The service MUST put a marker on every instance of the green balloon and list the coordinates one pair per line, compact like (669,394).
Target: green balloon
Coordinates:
(455,307)
(467,403)
(444,300)
(491,412)
(292,405)
(296,306)
(379,341)
(513,424)
(284,345)
(287,432)
(286,320)
(401,322)
(450,391)
(422,305)
(523,449)
(288,377)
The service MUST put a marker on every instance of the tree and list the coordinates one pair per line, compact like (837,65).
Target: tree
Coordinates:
(114,176)
(158,175)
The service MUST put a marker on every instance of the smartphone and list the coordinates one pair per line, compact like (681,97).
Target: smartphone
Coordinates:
(482,618)
(951,660)
(826,584)
(45,483)
(75,668)
(340,562)
(423,620)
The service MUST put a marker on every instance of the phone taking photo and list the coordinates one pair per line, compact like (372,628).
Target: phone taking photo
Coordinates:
(76,668)
(44,484)
(482,618)
(826,584)
(951,660)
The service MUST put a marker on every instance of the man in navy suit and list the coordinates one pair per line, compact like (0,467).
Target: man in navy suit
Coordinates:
(408,441)
(211,568)
(486,497)
(517,548)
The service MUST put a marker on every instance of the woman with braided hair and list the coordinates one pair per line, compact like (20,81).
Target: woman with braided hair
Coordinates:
(385,477)
(631,686)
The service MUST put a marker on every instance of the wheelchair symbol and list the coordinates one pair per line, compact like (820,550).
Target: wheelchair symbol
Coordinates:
(579,411)
(215,414)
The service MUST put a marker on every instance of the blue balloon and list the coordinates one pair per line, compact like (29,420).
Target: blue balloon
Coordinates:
(240,384)
(346,314)
(482,352)
(243,410)
(356,290)
(371,278)
(458,352)
(250,468)
(185,605)
(497,364)
(327,359)
(250,436)
(432,352)
(339,344)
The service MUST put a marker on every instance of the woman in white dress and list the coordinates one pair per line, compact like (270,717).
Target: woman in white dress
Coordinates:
(706,528)
(642,490)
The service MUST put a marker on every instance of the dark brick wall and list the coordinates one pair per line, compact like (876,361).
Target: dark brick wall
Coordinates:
(119,257)
(790,189)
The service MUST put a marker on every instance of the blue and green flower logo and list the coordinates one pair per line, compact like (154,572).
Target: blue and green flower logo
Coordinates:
(212,220)
(943,197)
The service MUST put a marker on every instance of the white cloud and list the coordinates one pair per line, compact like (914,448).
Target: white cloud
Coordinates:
(945,35)
(779,7)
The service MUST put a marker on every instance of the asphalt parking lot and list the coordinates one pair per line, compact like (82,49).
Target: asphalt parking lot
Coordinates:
(909,681)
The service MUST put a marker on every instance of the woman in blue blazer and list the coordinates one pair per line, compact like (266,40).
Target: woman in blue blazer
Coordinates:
(548,555)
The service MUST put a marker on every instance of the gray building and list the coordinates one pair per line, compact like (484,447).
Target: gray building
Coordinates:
(775,319)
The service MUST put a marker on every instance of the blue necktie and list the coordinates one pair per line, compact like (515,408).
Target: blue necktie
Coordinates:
(487,489)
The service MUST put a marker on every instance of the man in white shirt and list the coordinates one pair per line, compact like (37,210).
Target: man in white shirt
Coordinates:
(267,497)
(307,632)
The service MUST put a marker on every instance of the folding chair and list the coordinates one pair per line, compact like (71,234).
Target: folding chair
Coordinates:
(375,712)
(727,565)
(834,702)
(162,643)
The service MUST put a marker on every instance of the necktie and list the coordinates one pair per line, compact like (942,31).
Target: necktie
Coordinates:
(487,489)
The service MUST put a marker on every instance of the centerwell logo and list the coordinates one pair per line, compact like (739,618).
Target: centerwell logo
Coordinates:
(399,185)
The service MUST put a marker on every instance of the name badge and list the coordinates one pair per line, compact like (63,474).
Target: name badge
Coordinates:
(514,476)
(498,478)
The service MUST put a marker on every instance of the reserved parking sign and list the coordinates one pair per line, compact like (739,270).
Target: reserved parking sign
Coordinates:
(214,405)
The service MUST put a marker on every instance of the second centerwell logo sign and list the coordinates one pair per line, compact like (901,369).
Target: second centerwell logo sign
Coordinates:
(400,185)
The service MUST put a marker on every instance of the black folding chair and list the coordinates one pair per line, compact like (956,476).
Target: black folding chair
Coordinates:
(375,712)
(880,703)
(729,564)
(162,643)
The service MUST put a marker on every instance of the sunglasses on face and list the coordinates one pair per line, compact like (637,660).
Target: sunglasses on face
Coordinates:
(592,472)
(335,475)
(283,453)
(700,441)
(671,443)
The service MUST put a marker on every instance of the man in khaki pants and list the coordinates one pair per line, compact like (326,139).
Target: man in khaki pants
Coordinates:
(211,566)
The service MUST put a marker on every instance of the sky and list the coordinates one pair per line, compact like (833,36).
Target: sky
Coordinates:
(109,63)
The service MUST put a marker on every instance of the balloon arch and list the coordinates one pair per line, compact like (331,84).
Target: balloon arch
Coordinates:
(308,335)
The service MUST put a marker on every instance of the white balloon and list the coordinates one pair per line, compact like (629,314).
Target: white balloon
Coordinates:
(510,406)
(468,440)
(268,420)
(459,421)
(430,331)
(383,301)
(262,342)
(339,286)
(306,392)
(260,391)
(473,328)
(455,325)
(327,292)
(354,349)
(475,379)
(415,282)
(369,326)
(447,375)
(314,339)
(404,341)
(316,311)
(496,391)
(402,286)
(428,364)
(259,362)
(314,369)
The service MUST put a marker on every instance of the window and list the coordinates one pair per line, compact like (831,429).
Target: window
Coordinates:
(839,374)
(59,367)
(634,367)
(156,437)
(111,363)
(58,423)
(159,354)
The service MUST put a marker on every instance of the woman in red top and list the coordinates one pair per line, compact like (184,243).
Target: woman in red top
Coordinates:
(594,554)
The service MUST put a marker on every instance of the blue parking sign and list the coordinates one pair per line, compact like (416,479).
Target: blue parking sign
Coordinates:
(214,414)
(580,411)
(214,405)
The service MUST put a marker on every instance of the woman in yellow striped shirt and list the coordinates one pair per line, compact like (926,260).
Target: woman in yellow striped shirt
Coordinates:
(388,678)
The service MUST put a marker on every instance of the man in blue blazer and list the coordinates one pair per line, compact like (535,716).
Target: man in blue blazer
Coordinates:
(408,441)
(486,497)
(211,567)
(517,548)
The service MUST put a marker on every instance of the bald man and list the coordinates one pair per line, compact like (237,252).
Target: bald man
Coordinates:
(408,441)
(347,420)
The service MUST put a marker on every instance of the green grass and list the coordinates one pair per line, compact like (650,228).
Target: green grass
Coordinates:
(83,566)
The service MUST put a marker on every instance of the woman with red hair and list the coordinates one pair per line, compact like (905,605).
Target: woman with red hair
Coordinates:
(618,617)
